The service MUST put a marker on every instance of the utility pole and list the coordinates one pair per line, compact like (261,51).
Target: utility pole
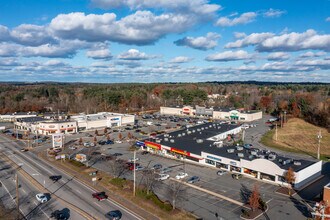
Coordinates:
(17,196)
(276,131)
(281,120)
(243,135)
(134,169)
(319,137)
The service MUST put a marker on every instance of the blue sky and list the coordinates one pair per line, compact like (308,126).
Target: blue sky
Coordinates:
(164,40)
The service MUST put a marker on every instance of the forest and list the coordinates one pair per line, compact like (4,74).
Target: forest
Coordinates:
(310,101)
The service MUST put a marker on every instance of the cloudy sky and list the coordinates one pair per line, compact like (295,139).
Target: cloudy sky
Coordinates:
(109,41)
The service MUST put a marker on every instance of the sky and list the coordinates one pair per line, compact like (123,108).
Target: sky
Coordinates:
(117,41)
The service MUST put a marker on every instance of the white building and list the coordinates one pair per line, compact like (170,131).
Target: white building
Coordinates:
(11,117)
(200,144)
(215,113)
(52,127)
(102,119)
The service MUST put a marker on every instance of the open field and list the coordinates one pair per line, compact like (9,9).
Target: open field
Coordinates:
(298,136)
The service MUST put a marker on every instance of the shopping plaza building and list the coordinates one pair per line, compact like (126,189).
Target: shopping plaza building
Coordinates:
(213,112)
(203,144)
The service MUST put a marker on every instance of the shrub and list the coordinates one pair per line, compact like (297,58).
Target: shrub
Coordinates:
(153,197)
(119,182)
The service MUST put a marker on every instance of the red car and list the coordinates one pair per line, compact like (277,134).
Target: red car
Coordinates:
(132,166)
(100,196)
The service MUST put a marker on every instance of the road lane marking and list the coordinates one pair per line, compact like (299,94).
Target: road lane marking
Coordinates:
(78,191)
(25,164)
(97,204)
(24,191)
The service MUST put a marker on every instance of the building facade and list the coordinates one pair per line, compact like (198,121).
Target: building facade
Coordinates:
(65,127)
(215,113)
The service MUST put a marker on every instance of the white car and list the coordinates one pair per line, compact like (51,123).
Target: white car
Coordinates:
(181,175)
(132,159)
(72,148)
(162,177)
(119,142)
(221,172)
(41,197)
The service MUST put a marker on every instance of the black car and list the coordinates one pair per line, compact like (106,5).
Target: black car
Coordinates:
(117,154)
(102,142)
(145,152)
(59,215)
(55,178)
(193,179)
(114,215)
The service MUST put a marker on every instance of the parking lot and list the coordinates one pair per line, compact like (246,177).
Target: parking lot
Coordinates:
(200,203)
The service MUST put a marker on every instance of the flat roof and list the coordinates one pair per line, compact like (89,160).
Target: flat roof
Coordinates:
(31,119)
(189,143)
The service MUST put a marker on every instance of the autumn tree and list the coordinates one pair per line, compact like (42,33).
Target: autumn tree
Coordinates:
(290,178)
(96,132)
(120,136)
(80,141)
(177,192)
(108,137)
(105,130)
(265,103)
(254,199)
(95,140)
(129,135)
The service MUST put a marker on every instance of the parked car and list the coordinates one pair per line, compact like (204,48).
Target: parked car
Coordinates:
(221,172)
(109,142)
(57,150)
(114,215)
(87,144)
(145,152)
(41,197)
(139,167)
(162,177)
(157,166)
(24,149)
(138,130)
(165,170)
(181,175)
(117,154)
(59,215)
(55,178)
(100,196)
(72,147)
(132,159)
(237,176)
(193,179)
(102,142)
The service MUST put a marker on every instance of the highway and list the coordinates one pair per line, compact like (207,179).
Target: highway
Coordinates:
(67,188)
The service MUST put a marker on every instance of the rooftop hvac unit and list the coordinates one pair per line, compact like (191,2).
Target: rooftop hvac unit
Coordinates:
(206,128)
(198,129)
(200,132)
(199,141)
(188,132)
(280,160)
(297,163)
(158,140)
(210,126)
(172,141)
(183,134)
(202,129)
(261,156)
(251,157)
(240,155)
(239,148)
(166,139)
(230,150)
(193,131)
(179,135)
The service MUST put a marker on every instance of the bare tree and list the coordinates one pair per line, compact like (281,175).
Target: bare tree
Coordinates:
(117,168)
(254,198)
(290,178)
(176,192)
(105,130)
(95,140)
(108,137)
(96,132)
(80,141)
(148,180)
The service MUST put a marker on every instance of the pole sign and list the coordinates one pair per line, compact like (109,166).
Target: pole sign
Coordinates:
(57,140)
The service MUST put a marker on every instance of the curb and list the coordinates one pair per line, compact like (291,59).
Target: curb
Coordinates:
(256,216)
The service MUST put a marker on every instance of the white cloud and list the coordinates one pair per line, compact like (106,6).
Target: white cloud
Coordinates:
(200,7)
(140,28)
(54,62)
(133,54)
(268,42)
(327,19)
(180,59)
(9,62)
(244,18)
(200,43)
(4,33)
(312,54)
(251,39)
(273,13)
(99,53)
(239,35)
(278,56)
(31,35)
(229,56)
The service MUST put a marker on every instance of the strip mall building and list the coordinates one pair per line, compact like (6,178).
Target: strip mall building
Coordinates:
(202,144)
(215,113)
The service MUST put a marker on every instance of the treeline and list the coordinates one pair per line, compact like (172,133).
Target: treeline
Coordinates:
(308,101)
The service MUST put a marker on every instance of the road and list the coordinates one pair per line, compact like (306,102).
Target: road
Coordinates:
(67,188)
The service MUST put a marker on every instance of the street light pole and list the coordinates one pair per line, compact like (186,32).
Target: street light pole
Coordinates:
(17,197)
(134,176)
(319,137)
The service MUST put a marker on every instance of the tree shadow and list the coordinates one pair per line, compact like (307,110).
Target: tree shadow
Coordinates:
(301,207)
(245,193)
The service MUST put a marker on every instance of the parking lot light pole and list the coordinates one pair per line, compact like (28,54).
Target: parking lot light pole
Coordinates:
(134,167)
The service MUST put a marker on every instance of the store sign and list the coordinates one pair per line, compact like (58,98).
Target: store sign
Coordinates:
(152,145)
(186,109)
(183,152)
(233,163)
(115,119)
(234,113)
(51,126)
(140,143)
(57,140)
(213,158)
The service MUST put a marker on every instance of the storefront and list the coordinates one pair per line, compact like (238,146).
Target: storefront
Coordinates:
(153,147)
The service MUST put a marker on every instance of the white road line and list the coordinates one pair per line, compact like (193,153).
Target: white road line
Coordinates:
(23,191)
(25,164)
(44,213)
(97,204)
(78,191)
